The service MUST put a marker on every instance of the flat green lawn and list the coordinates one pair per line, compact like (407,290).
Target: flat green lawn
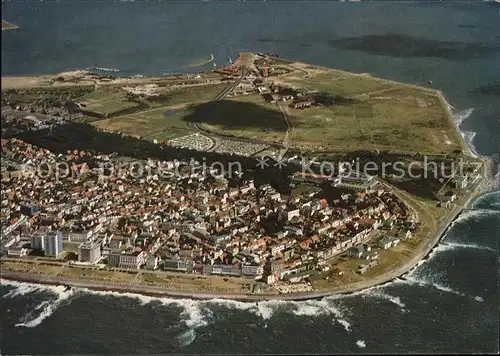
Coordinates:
(151,124)
(113,100)
(185,95)
(304,189)
(164,115)
(396,123)
(341,83)
(107,100)
(382,115)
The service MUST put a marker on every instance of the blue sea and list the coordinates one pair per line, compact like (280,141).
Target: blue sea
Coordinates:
(447,304)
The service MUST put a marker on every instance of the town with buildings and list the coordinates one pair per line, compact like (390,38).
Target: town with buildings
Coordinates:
(190,222)
(177,216)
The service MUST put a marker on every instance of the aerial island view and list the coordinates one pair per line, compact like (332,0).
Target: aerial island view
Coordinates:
(320,230)
(246,180)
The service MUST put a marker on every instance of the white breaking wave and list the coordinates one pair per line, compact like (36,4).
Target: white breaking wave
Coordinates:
(193,314)
(105,69)
(494,194)
(232,304)
(142,299)
(309,309)
(266,309)
(447,246)
(462,115)
(425,282)
(475,213)
(194,319)
(394,300)
(361,344)
(469,141)
(47,308)
(340,318)
(20,290)
(186,338)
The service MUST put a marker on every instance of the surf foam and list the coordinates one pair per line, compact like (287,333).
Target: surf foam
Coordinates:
(433,284)
(20,290)
(361,344)
(394,300)
(461,116)
(47,308)
(194,312)
(450,246)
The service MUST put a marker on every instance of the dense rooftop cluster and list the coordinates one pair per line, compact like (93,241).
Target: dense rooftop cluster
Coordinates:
(187,220)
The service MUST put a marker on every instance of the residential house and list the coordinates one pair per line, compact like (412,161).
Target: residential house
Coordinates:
(387,242)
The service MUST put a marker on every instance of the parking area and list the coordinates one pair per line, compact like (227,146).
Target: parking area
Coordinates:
(195,141)
(240,148)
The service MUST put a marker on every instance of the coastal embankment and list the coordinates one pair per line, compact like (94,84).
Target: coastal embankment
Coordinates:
(480,185)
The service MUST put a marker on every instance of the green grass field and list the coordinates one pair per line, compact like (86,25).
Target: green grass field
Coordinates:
(396,124)
(112,101)
(341,83)
(151,124)
(185,95)
(107,101)
(367,114)
(164,116)
(379,115)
